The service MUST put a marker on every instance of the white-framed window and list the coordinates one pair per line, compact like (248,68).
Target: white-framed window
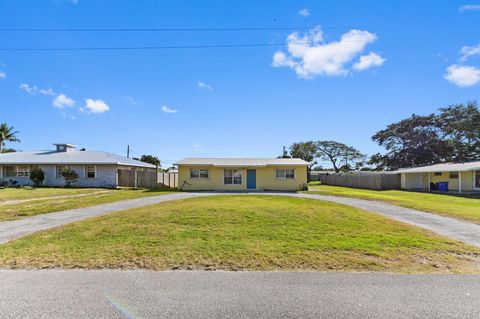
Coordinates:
(477,179)
(232,177)
(285,174)
(16,171)
(9,171)
(23,170)
(199,173)
(90,172)
(60,168)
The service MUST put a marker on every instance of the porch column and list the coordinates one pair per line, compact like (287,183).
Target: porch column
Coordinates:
(459,182)
(429,181)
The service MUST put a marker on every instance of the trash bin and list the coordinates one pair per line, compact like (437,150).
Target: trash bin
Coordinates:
(443,186)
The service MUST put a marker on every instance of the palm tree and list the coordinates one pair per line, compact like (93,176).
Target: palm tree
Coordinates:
(7,134)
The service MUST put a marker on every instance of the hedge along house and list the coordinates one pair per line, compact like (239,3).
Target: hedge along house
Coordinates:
(94,168)
(236,174)
(461,177)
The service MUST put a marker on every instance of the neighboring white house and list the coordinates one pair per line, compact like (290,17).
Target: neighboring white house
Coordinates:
(461,177)
(94,168)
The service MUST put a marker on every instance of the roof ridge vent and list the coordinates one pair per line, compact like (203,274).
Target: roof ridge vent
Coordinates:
(65,147)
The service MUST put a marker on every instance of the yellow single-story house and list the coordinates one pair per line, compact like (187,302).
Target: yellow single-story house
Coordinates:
(236,174)
(461,177)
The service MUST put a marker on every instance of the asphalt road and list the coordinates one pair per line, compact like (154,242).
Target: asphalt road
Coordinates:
(196,294)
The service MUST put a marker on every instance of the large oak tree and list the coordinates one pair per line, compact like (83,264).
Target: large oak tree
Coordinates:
(453,134)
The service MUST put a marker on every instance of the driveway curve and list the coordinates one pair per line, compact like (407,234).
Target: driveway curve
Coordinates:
(449,227)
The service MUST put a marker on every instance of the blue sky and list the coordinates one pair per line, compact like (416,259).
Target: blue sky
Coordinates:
(396,58)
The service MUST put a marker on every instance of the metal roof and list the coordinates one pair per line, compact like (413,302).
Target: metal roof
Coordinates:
(70,157)
(242,162)
(445,167)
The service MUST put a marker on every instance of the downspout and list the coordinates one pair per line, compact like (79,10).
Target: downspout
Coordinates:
(429,181)
(459,182)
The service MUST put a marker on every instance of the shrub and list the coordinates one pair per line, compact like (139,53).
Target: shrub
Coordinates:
(37,175)
(69,175)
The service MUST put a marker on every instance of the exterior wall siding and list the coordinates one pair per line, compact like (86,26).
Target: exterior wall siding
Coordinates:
(414,181)
(265,179)
(411,181)
(106,176)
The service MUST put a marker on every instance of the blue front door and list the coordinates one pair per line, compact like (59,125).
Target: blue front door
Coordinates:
(251,179)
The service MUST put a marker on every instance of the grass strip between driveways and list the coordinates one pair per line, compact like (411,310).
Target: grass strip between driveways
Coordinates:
(242,233)
(57,203)
(465,207)
(29,193)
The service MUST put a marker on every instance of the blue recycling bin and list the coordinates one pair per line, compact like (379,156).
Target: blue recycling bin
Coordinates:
(442,186)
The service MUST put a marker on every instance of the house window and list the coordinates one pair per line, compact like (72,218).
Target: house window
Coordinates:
(23,171)
(454,175)
(198,173)
(438,174)
(60,168)
(90,172)
(477,179)
(16,171)
(232,177)
(9,171)
(285,174)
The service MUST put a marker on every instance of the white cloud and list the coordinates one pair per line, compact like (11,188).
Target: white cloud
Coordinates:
(3,75)
(47,92)
(62,101)
(166,109)
(29,89)
(309,55)
(462,75)
(95,106)
(470,7)
(467,52)
(304,12)
(33,89)
(203,85)
(368,61)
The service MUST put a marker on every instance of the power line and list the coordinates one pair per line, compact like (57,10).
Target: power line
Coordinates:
(167,47)
(160,29)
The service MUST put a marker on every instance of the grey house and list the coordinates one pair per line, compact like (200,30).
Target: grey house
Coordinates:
(94,168)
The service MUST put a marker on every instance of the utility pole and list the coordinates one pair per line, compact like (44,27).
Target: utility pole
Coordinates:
(128,151)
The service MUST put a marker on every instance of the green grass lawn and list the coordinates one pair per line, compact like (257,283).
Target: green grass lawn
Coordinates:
(18,203)
(242,233)
(7,194)
(462,207)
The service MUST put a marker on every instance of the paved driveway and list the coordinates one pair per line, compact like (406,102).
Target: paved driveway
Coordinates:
(144,294)
(10,230)
(449,227)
